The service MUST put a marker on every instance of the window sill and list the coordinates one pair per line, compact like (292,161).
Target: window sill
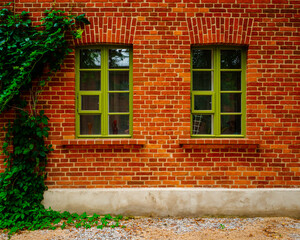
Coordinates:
(102,142)
(219,143)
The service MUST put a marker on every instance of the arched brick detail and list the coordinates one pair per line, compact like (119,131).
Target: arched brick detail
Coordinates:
(220,30)
(108,30)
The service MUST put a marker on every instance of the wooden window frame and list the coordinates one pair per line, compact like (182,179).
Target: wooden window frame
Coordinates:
(103,93)
(216,92)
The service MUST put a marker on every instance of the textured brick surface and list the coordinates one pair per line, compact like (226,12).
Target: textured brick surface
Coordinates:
(161,34)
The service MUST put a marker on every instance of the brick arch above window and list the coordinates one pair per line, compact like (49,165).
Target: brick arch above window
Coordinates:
(216,30)
(110,30)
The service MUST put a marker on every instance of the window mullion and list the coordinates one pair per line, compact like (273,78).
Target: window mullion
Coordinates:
(243,88)
(131,91)
(77,73)
(217,117)
(104,118)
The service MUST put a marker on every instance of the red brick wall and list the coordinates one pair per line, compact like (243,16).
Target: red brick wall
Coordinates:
(161,34)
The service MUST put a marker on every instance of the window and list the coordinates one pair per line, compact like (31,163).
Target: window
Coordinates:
(104,91)
(218,92)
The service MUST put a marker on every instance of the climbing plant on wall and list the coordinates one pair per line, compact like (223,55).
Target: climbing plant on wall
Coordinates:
(28,50)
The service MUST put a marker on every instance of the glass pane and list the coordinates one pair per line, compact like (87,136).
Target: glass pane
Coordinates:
(90,81)
(202,102)
(202,81)
(118,58)
(90,102)
(90,58)
(90,124)
(202,59)
(230,81)
(119,80)
(202,124)
(118,102)
(231,124)
(119,124)
(230,59)
(230,102)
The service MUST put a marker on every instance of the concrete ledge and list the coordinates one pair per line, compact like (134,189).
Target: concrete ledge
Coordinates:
(177,201)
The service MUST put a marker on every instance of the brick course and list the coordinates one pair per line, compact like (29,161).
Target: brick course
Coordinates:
(161,152)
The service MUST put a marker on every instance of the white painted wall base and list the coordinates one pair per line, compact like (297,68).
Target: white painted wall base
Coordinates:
(177,201)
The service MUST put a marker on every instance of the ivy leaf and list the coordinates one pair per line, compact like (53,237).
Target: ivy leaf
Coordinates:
(57,220)
(5,145)
(25,49)
(81,18)
(63,225)
(26,151)
(44,120)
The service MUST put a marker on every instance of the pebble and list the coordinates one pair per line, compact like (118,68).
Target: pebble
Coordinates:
(139,228)
(177,225)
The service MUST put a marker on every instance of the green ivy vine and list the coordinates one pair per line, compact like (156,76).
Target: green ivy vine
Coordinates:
(28,49)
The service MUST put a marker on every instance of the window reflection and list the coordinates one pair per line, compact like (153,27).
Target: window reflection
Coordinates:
(202,81)
(90,58)
(119,124)
(90,124)
(202,59)
(202,102)
(202,124)
(230,102)
(90,80)
(118,80)
(231,124)
(230,59)
(230,81)
(118,58)
(90,102)
(119,102)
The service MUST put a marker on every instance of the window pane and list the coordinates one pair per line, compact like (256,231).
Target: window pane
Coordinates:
(90,58)
(231,124)
(202,59)
(230,81)
(202,124)
(202,81)
(90,102)
(118,102)
(118,58)
(119,80)
(230,59)
(119,124)
(90,124)
(90,80)
(230,102)
(202,102)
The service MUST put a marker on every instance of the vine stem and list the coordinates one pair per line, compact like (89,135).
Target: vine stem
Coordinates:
(14,10)
(24,143)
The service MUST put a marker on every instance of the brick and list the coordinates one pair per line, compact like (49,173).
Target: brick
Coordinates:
(161,35)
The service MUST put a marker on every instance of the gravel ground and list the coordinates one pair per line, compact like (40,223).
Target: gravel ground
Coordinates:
(177,228)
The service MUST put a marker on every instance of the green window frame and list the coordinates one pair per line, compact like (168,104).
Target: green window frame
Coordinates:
(218,91)
(103,77)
